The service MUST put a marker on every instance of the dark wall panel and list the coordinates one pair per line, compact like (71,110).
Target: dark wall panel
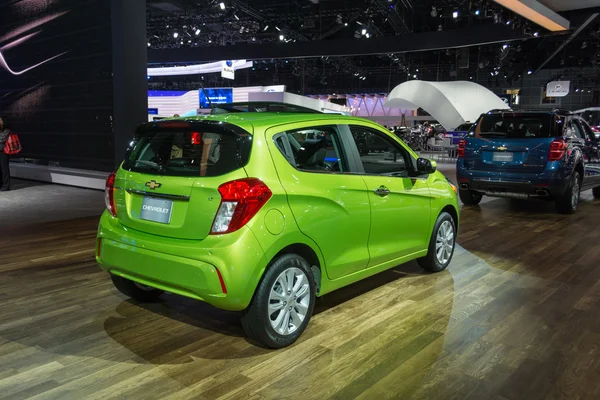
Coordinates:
(56,86)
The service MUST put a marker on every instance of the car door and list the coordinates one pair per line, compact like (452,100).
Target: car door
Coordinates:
(329,204)
(400,202)
(591,151)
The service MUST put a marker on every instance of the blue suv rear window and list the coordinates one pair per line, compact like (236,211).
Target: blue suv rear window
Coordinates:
(519,126)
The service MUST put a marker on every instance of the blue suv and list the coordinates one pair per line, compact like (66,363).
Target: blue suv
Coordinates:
(549,155)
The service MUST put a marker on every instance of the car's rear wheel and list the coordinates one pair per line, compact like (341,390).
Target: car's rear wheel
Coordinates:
(567,203)
(136,291)
(596,192)
(283,303)
(441,244)
(469,197)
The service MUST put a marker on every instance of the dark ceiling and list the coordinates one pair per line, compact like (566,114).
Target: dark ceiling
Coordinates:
(192,27)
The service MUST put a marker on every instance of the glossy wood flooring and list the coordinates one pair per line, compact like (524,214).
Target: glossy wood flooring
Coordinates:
(516,316)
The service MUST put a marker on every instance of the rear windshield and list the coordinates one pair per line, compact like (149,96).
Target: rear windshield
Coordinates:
(515,126)
(188,152)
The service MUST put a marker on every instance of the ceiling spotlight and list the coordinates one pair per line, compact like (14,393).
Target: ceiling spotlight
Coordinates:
(434,12)
(197,32)
(471,78)
(364,31)
(281,37)
(415,75)
(148,44)
(266,27)
(536,34)
(529,72)
(253,39)
(222,5)
(477,12)
(278,30)
(368,35)
(508,22)
(345,24)
(455,14)
(505,47)
(236,17)
(491,73)
(209,40)
(175,35)
(577,90)
(417,70)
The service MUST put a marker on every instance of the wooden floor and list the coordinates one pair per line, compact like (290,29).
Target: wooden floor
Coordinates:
(516,316)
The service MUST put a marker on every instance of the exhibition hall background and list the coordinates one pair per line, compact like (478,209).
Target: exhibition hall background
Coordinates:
(78,108)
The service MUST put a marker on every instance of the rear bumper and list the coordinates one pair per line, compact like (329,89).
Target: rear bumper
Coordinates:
(184,267)
(544,184)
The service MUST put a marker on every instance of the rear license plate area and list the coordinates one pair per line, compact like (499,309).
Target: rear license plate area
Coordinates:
(156,210)
(501,156)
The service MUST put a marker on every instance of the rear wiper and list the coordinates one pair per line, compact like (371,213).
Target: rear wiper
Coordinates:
(149,164)
(494,134)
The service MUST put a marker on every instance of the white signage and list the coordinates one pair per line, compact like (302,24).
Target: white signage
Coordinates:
(275,88)
(558,88)
(227,70)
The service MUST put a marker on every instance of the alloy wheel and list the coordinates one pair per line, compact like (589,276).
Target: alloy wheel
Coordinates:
(444,242)
(289,299)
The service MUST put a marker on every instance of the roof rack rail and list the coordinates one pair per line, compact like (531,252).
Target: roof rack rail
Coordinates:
(562,111)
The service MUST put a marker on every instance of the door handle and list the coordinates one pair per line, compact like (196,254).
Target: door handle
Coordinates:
(382,191)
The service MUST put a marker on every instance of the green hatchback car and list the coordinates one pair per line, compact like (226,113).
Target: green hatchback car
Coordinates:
(264,212)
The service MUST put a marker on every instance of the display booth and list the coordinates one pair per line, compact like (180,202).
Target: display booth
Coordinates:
(450,103)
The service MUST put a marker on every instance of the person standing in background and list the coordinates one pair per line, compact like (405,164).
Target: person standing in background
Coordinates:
(4,166)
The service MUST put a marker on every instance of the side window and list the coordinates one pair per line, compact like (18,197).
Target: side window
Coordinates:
(316,149)
(576,131)
(380,154)
(589,134)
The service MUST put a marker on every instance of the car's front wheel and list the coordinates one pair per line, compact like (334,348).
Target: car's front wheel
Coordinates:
(441,244)
(283,303)
(596,192)
(567,203)
(136,291)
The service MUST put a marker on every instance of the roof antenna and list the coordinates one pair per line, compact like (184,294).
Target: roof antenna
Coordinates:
(206,95)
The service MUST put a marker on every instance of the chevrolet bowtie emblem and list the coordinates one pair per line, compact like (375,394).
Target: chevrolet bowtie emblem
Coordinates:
(502,148)
(153,185)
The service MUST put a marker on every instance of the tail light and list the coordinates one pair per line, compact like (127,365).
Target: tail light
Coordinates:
(109,194)
(240,201)
(558,149)
(460,151)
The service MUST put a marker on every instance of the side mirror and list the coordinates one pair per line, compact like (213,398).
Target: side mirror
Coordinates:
(425,166)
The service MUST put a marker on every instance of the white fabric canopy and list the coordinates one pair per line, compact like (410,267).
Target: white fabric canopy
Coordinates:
(450,103)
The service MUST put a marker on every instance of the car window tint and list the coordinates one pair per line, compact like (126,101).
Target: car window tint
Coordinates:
(315,149)
(589,134)
(576,130)
(188,153)
(379,153)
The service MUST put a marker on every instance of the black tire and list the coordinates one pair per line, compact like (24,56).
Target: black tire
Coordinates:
(136,291)
(596,192)
(257,320)
(469,197)
(431,262)
(565,204)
